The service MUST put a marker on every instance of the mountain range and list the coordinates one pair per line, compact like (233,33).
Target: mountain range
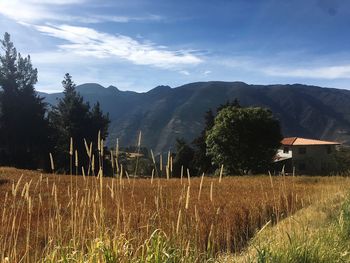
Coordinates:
(164,113)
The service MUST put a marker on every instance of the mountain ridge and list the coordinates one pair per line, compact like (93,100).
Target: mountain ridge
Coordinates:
(164,113)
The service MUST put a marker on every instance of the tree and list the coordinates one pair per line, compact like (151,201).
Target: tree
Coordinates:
(23,125)
(228,103)
(183,157)
(202,162)
(342,159)
(99,121)
(244,139)
(72,118)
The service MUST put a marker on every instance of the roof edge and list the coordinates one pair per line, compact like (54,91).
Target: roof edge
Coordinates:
(298,141)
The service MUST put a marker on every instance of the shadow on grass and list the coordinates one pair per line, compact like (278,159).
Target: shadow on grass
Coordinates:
(4,181)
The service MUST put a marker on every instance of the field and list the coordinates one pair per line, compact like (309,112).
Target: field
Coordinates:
(52,218)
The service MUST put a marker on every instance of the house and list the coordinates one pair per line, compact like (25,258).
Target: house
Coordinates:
(306,156)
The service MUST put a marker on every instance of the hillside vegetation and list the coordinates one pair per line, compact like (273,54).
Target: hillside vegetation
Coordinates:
(97,219)
(163,113)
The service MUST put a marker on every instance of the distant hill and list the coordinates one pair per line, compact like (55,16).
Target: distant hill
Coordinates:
(164,113)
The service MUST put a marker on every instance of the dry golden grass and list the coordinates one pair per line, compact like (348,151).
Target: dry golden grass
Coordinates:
(42,214)
(317,233)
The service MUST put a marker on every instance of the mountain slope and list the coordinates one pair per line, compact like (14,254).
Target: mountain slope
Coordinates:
(163,113)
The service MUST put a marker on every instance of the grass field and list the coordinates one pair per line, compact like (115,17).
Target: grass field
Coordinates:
(53,218)
(318,233)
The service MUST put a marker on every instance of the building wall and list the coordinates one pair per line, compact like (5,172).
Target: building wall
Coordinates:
(313,159)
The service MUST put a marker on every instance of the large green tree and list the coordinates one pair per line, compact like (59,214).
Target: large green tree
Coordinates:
(23,125)
(73,118)
(244,139)
(202,162)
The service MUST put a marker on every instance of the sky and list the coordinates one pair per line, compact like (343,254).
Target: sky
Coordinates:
(140,44)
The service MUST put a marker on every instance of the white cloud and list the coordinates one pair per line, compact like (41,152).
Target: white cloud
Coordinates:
(55,2)
(52,66)
(184,72)
(56,10)
(315,68)
(120,19)
(89,42)
(326,72)
(207,72)
(35,10)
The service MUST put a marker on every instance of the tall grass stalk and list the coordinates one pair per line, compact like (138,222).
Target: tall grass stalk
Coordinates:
(221,172)
(71,151)
(52,163)
(200,187)
(138,152)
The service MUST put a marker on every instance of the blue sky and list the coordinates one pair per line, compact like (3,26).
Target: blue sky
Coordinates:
(139,44)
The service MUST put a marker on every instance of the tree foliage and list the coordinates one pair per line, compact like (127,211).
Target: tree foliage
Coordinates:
(73,118)
(183,158)
(23,125)
(202,162)
(342,158)
(244,139)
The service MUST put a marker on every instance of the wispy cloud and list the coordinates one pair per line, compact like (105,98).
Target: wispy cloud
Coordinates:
(326,72)
(86,41)
(314,68)
(184,72)
(207,72)
(118,19)
(30,11)
(35,10)
(55,2)
(52,65)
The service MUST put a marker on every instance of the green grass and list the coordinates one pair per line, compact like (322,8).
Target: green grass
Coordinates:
(317,234)
(157,249)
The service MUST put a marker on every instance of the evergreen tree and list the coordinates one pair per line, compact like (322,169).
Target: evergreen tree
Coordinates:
(69,119)
(23,125)
(99,121)
(72,118)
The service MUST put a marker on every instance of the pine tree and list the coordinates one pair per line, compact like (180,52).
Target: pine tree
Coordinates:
(23,125)
(72,118)
(99,121)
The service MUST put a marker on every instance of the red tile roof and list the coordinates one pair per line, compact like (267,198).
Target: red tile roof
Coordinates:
(303,141)
(288,141)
